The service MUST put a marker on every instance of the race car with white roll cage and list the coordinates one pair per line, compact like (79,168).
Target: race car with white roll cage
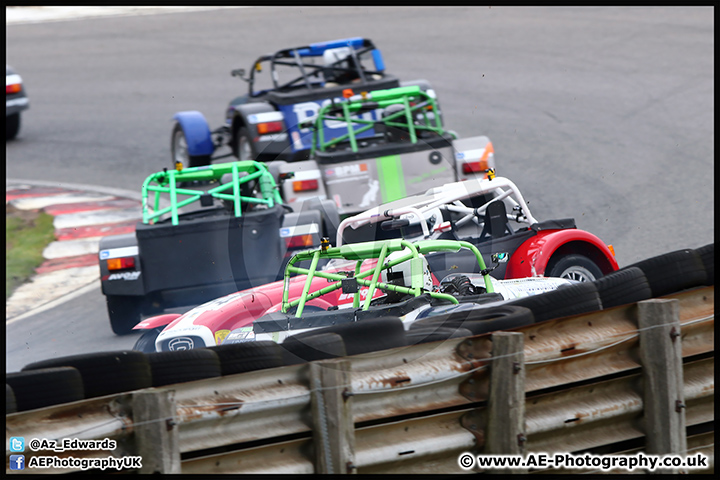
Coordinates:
(522,249)
(358,281)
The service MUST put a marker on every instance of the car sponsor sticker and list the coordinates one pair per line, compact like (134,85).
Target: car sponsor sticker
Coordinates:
(275,137)
(220,336)
(347,170)
(124,276)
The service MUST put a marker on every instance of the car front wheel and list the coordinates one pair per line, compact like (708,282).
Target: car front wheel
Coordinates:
(179,149)
(574,267)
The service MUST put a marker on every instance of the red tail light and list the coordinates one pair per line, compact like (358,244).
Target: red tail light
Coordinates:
(269,127)
(14,88)
(299,241)
(120,263)
(305,185)
(475,167)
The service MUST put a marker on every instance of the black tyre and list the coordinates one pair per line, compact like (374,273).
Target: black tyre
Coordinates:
(481,320)
(105,373)
(12,126)
(244,146)
(623,287)
(427,334)
(312,347)
(124,312)
(366,335)
(10,402)
(565,301)
(707,255)
(574,267)
(183,366)
(179,150)
(146,342)
(248,356)
(47,386)
(673,271)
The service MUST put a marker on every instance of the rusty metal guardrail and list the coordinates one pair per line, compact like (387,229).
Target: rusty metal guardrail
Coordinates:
(414,409)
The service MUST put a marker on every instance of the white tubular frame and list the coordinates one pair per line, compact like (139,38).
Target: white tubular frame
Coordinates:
(446,197)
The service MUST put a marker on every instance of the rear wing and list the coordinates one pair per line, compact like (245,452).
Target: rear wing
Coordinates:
(415,104)
(366,251)
(228,188)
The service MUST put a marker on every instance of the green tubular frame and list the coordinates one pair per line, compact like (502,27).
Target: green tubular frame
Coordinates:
(365,251)
(377,99)
(167,182)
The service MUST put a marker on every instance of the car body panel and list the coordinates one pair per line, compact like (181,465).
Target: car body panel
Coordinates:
(16,98)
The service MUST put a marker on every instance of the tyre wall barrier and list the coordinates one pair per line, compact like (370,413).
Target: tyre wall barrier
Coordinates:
(429,388)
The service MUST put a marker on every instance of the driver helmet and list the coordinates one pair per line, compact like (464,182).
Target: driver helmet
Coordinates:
(402,274)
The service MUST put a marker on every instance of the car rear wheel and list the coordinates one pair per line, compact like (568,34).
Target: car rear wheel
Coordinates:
(574,267)
(124,311)
(12,125)
(180,154)
(244,145)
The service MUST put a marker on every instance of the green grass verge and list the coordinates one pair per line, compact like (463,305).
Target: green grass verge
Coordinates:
(27,233)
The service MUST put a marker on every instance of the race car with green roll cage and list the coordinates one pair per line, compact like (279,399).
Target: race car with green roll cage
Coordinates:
(490,214)
(358,281)
(408,152)
(206,231)
(353,134)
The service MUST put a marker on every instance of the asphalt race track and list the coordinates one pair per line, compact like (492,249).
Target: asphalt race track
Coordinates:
(601,114)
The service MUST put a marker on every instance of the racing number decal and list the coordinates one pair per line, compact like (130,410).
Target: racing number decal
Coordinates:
(392,180)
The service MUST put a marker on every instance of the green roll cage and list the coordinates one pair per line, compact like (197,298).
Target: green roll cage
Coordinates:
(365,251)
(414,100)
(167,182)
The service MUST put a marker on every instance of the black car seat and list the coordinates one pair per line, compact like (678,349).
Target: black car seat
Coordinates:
(496,222)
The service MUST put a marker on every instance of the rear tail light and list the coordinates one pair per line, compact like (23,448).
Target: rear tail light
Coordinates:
(13,88)
(120,263)
(305,185)
(475,167)
(269,127)
(299,241)
(481,165)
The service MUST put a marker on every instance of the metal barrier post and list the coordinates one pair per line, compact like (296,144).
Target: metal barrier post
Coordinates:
(506,403)
(333,427)
(661,358)
(156,432)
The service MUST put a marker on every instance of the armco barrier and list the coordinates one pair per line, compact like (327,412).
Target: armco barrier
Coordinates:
(584,387)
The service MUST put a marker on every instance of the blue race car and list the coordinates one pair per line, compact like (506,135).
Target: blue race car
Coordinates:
(286,90)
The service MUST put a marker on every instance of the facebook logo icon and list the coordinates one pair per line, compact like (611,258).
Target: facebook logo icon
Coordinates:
(17,462)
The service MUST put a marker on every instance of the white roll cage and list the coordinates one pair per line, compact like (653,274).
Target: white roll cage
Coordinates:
(448,197)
